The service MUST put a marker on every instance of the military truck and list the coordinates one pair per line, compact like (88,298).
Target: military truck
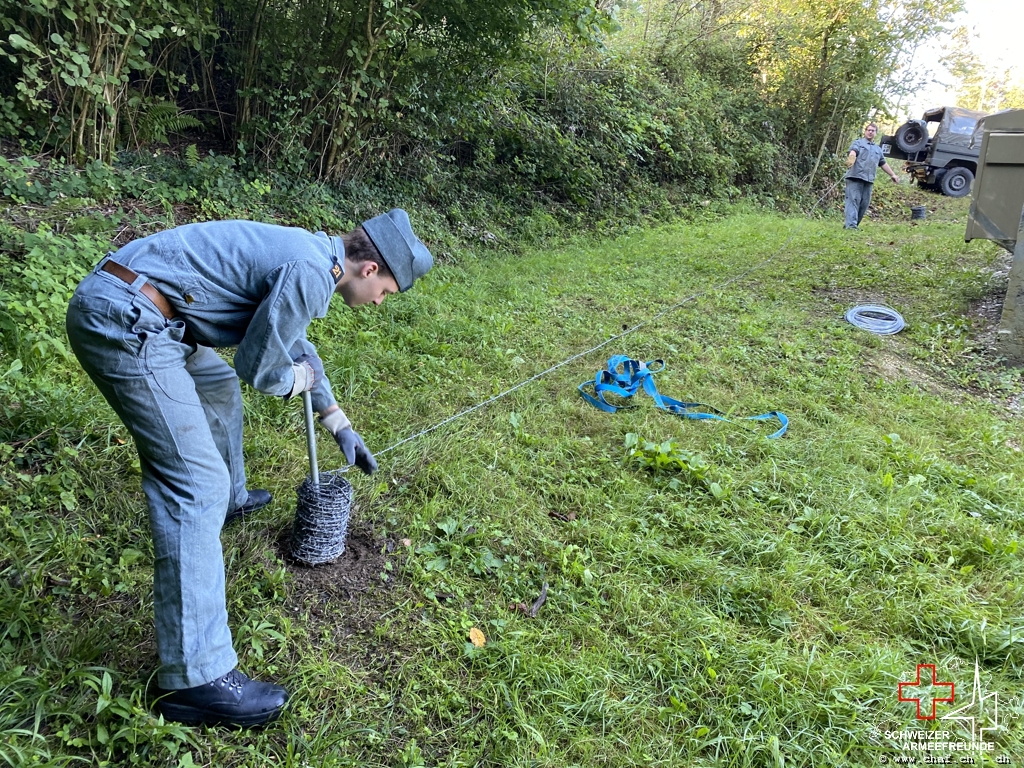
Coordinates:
(944,161)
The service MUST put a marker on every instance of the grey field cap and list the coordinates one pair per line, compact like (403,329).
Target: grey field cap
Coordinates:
(406,257)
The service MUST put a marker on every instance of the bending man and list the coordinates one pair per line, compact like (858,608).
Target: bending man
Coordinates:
(143,324)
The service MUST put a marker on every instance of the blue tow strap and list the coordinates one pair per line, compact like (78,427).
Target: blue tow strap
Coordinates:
(623,376)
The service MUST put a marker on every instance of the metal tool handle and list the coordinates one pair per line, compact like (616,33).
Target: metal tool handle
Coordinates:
(307,402)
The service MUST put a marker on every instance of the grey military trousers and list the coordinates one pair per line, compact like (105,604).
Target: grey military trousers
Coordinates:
(858,198)
(183,407)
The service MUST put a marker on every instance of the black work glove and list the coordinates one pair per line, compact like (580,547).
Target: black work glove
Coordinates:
(355,451)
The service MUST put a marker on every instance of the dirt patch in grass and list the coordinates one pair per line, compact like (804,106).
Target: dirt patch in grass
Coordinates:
(986,312)
(348,595)
(356,571)
(891,367)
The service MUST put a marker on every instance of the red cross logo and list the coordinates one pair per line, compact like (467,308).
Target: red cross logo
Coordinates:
(917,684)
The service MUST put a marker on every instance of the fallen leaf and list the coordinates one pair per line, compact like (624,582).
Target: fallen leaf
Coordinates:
(476,637)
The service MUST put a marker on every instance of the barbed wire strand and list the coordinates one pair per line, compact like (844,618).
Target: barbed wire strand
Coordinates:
(606,342)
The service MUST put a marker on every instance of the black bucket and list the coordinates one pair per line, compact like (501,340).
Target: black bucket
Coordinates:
(918,212)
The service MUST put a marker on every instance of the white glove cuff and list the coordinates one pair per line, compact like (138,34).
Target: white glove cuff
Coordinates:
(303,373)
(335,421)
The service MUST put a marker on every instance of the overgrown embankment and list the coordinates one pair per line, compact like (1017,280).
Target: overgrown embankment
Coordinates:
(557,111)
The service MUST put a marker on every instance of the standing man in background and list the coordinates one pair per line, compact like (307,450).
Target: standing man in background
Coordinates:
(864,160)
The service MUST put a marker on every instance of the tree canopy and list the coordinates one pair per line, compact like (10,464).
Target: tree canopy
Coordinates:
(564,94)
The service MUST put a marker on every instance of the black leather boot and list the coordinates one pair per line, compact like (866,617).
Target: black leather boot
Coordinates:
(232,699)
(258,499)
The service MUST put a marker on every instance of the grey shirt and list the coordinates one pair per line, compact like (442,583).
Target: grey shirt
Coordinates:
(869,160)
(247,285)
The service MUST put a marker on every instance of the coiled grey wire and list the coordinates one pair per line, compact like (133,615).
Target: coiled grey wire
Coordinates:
(876,318)
(321,518)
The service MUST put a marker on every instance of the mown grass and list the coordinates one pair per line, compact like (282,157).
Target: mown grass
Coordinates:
(755,603)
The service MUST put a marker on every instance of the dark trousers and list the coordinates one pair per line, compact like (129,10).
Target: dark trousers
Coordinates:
(858,198)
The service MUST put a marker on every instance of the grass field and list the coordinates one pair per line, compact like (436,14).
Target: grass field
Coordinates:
(713,598)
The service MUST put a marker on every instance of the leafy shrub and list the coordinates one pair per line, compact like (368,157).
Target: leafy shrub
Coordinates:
(68,64)
(40,271)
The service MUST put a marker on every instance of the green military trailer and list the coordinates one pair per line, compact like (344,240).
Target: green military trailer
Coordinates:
(944,161)
(997,214)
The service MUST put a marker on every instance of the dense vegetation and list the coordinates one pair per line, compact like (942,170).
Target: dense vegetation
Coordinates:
(585,109)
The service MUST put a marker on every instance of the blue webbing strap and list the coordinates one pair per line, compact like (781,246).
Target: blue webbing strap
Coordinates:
(623,376)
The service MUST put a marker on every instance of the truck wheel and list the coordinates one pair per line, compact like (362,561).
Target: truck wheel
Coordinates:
(957,182)
(912,136)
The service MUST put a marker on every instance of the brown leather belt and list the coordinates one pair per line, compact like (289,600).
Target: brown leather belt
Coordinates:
(122,272)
